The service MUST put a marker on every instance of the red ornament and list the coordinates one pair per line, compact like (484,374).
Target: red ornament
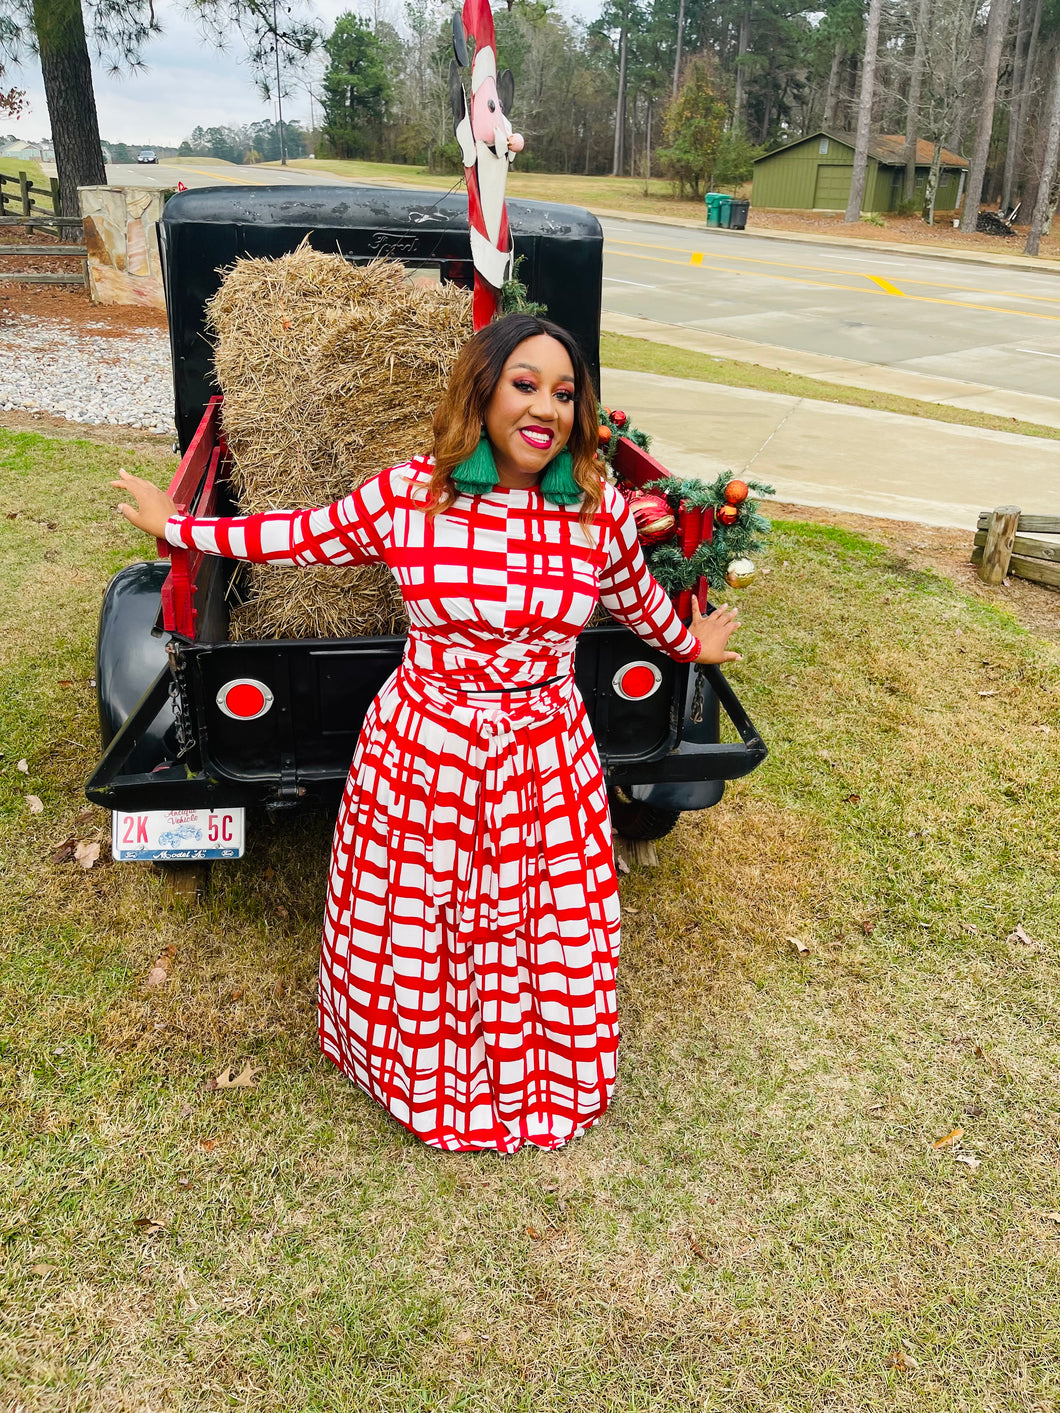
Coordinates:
(736,492)
(654,519)
(728,514)
(619,418)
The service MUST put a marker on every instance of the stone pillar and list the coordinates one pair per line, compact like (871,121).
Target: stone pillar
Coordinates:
(123,263)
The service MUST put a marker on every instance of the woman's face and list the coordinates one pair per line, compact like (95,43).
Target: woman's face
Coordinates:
(530,416)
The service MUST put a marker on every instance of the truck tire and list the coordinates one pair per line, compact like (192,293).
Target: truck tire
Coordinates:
(635,820)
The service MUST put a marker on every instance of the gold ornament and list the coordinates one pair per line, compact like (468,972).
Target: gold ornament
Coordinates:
(739,573)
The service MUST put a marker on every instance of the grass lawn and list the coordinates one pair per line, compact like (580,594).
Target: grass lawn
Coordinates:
(761,1221)
(647,356)
(630,194)
(10,167)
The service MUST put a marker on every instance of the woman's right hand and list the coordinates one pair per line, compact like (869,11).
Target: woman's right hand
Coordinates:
(152,507)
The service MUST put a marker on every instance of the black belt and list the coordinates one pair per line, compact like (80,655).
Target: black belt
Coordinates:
(530,687)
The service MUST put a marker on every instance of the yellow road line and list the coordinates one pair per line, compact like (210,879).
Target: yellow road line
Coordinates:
(851,289)
(238,181)
(886,285)
(828,270)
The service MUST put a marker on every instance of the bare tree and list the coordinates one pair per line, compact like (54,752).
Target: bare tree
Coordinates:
(1045,205)
(868,85)
(996,29)
(620,109)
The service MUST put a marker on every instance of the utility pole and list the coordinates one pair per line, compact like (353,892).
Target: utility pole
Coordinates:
(279,95)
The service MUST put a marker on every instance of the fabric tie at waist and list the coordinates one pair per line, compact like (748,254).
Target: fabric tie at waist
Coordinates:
(508,734)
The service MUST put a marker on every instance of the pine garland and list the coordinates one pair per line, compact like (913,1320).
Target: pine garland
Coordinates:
(622,427)
(515,298)
(711,559)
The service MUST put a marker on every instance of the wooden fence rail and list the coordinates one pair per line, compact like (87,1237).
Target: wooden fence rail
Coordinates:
(23,209)
(26,203)
(1007,542)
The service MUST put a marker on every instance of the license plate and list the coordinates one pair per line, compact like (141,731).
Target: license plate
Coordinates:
(177,834)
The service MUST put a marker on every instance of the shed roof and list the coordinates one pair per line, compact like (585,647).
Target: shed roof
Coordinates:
(887,148)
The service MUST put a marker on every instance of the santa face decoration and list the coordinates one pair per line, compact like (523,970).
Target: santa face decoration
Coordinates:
(487,147)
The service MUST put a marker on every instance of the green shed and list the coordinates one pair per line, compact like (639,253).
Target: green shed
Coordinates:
(813,174)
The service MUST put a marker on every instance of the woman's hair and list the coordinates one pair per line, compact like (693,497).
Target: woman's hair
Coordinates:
(461,413)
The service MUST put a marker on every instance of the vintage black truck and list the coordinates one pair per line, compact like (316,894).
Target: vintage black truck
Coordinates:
(195,728)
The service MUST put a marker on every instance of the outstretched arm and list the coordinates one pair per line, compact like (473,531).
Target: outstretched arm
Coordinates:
(352,531)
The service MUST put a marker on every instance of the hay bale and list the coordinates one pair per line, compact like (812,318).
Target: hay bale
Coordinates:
(330,372)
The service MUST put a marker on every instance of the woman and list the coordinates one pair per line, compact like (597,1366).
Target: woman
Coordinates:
(471,932)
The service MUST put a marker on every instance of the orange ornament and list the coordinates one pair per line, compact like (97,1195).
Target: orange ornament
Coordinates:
(728,514)
(736,492)
(603,434)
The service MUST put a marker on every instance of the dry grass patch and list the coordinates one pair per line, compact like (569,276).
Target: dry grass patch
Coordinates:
(760,1221)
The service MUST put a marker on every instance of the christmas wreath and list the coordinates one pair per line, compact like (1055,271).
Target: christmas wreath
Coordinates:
(730,517)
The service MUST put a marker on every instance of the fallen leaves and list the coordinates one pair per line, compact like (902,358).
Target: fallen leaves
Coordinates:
(36,804)
(804,949)
(229,1079)
(23,765)
(1023,938)
(901,1359)
(150,1226)
(159,973)
(87,853)
(83,851)
(64,852)
(949,1139)
(968,1159)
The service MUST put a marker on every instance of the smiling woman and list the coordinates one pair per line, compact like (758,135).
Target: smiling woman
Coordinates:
(471,930)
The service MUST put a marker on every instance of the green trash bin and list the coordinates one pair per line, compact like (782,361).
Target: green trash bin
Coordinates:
(713,200)
(725,211)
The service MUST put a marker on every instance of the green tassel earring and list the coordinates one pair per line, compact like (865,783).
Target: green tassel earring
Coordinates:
(478,474)
(558,484)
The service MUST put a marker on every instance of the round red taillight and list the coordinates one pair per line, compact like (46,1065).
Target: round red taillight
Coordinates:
(244,699)
(637,680)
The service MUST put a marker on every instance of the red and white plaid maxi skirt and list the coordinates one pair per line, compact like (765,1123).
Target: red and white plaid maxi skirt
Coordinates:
(471,936)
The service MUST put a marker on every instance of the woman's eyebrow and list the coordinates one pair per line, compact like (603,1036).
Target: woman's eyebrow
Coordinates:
(533,368)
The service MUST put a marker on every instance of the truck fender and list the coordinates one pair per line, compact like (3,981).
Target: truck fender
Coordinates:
(130,653)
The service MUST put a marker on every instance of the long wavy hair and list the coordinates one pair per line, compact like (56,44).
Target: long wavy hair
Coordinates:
(461,413)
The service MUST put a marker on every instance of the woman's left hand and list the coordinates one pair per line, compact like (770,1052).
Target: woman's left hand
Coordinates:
(714,633)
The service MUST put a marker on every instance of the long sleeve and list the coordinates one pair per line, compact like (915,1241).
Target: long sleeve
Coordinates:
(630,594)
(355,530)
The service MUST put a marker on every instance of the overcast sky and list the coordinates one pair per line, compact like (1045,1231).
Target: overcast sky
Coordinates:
(188,83)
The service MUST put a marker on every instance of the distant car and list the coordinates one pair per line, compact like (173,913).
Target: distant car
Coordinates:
(147,155)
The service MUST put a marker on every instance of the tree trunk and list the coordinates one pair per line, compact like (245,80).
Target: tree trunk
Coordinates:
(67,71)
(620,109)
(996,29)
(743,44)
(1045,205)
(932,183)
(647,149)
(680,38)
(1030,65)
(861,141)
(912,112)
(1019,74)
(831,97)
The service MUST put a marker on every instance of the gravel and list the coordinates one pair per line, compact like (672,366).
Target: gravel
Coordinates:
(120,380)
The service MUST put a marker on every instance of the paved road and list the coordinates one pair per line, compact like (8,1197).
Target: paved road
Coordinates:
(206,172)
(922,317)
(934,317)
